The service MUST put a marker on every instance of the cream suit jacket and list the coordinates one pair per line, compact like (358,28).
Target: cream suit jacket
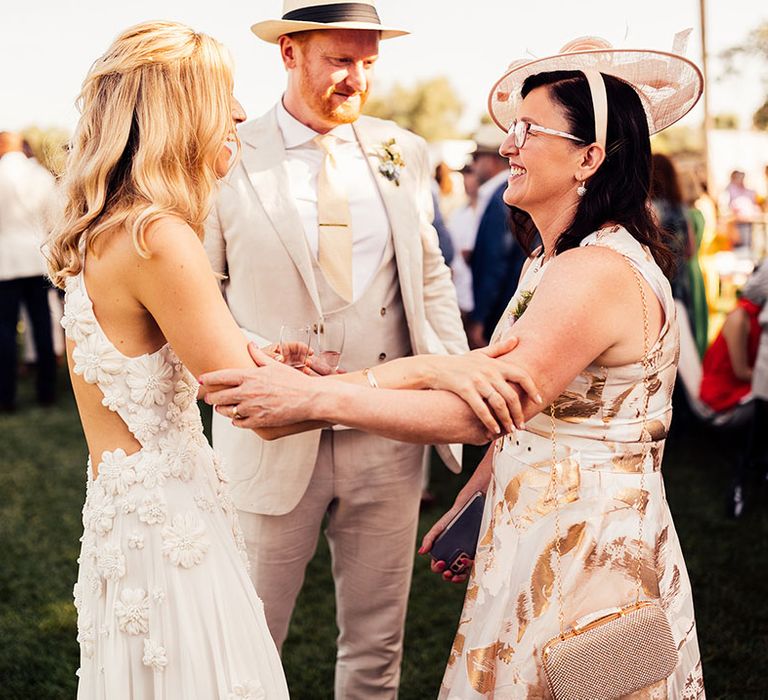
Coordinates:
(255,237)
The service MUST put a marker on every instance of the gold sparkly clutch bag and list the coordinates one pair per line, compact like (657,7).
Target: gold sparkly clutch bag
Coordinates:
(616,654)
(611,653)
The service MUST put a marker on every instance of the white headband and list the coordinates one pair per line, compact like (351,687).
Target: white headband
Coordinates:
(599,104)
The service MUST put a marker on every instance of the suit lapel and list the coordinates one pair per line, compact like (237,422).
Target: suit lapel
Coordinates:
(397,205)
(264,162)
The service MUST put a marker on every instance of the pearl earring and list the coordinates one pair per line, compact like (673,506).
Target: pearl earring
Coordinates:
(581,190)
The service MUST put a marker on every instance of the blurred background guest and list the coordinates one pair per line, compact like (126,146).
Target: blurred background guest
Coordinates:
(497,259)
(727,368)
(742,203)
(462,226)
(27,190)
(667,199)
(443,236)
(701,222)
(448,194)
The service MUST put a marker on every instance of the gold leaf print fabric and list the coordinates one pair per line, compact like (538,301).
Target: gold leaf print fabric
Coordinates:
(609,474)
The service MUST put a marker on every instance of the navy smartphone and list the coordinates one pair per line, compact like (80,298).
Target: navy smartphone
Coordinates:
(458,542)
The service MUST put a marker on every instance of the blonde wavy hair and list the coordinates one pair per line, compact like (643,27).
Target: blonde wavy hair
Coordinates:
(155,111)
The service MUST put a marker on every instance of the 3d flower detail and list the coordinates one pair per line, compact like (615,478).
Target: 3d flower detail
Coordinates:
(110,561)
(99,511)
(391,160)
(152,471)
(96,360)
(132,611)
(154,655)
(185,391)
(179,452)
(135,541)
(116,472)
(184,540)
(149,379)
(145,424)
(78,321)
(250,690)
(86,635)
(152,511)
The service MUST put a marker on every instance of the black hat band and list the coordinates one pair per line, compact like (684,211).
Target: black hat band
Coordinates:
(339,12)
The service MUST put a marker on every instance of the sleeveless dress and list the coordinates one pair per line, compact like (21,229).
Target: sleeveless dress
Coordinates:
(165,606)
(512,607)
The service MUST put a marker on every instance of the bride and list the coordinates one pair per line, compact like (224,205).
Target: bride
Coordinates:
(165,605)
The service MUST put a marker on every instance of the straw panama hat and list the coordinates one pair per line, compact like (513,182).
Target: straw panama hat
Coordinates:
(669,84)
(303,16)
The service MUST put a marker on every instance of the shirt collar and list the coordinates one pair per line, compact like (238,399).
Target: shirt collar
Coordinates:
(296,134)
(490,186)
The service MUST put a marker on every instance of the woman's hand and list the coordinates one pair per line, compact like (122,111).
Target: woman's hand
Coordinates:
(478,482)
(269,395)
(439,567)
(484,382)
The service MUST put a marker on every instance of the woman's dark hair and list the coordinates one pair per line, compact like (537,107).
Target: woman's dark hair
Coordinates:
(619,190)
(664,181)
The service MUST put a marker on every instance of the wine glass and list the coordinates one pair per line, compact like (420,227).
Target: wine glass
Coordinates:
(294,345)
(330,340)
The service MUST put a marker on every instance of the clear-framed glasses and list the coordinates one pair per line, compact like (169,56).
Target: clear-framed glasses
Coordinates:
(520,129)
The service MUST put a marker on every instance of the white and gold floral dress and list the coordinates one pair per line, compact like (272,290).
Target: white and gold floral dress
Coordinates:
(166,609)
(609,472)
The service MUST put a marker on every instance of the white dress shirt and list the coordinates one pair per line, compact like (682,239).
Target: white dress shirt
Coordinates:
(27,191)
(368,217)
(463,229)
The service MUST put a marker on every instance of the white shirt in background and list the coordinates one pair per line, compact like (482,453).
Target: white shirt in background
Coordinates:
(370,225)
(27,192)
(462,226)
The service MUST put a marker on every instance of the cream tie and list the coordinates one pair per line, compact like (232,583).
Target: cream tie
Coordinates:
(334,248)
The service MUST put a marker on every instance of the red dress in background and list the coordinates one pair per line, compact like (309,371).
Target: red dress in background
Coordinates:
(720,388)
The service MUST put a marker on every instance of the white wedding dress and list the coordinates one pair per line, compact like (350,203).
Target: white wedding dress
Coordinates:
(166,609)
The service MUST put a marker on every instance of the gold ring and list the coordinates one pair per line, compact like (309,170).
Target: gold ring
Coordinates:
(235,414)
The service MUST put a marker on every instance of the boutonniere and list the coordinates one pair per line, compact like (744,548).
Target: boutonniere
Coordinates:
(391,161)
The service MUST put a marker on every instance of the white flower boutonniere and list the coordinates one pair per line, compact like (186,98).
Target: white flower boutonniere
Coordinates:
(391,162)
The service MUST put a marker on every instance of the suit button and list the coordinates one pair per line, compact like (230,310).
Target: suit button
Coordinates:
(383,311)
(382,356)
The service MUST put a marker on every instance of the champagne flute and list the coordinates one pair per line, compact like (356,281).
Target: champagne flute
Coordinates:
(294,345)
(330,340)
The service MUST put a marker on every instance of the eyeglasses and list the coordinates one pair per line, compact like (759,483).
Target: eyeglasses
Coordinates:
(520,129)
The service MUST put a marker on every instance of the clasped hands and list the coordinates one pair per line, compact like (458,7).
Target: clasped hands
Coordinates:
(272,394)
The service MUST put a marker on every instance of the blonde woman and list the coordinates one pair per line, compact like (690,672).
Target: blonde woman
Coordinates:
(165,604)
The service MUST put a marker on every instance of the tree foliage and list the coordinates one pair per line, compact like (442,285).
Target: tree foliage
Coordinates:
(49,147)
(677,140)
(755,45)
(760,117)
(431,108)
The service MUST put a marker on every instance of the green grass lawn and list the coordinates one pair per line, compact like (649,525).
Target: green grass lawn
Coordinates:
(42,482)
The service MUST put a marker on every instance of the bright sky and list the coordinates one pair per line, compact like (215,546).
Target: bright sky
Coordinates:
(46,46)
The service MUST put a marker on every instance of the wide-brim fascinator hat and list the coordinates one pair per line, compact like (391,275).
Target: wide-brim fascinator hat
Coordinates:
(669,85)
(306,15)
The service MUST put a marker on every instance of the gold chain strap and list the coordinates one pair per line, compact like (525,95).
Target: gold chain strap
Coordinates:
(553,476)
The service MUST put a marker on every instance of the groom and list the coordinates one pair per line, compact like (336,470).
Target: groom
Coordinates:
(328,214)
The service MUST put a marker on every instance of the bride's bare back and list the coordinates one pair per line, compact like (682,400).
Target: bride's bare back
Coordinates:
(142,304)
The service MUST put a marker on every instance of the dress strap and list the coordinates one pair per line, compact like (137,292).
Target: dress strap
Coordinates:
(617,238)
